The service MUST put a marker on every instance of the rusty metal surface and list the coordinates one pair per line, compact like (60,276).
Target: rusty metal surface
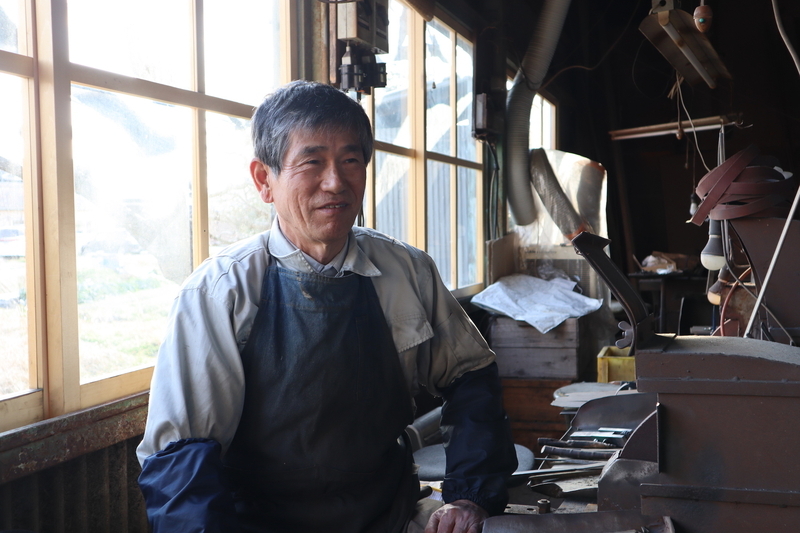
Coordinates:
(625,411)
(95,492)
(704,516)
(28,450)
(759,237)
(619,488)
(725,434)
(600,522)
(720,365)
(642,445)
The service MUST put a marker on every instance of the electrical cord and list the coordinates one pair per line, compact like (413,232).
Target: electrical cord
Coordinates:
(603,58)
(785,37)
(724,308)
(688,116)
(494,200)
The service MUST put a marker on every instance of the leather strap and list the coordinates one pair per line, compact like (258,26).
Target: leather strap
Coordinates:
(728,211)
(715,183)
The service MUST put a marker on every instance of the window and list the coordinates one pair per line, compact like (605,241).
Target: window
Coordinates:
(13,260)
(428,168)
(543,124)
(123,163)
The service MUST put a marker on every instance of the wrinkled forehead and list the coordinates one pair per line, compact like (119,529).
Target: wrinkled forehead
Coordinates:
(322,137)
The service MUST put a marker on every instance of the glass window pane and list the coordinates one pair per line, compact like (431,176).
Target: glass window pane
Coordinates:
(439,218)
(467,147)
(148,39)
(468,230)
(235,210)
(234,33)
(391,195)
(535,127)
(541,125)
(548,125)
(13,285)
(392,122)
(10,24)
(439,115)
(133,169)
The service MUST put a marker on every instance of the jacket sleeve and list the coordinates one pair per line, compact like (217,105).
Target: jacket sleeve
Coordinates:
(477,438)
(184,490)
(196,396)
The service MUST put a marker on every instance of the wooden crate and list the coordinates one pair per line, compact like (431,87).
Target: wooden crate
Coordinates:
(523,352)
(527,403)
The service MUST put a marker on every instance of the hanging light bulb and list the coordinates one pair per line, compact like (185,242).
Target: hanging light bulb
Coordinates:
(694,202)
(713,257)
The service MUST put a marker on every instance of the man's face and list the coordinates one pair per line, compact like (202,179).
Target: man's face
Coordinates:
(319,191)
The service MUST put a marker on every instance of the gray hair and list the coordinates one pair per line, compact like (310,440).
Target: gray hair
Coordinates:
(303,105)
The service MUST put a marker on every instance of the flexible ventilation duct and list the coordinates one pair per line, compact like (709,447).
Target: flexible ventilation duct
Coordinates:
(518,110)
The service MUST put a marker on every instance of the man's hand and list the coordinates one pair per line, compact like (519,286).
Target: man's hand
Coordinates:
(461,516)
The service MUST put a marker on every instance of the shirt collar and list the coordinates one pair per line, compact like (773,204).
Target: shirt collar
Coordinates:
(351,259)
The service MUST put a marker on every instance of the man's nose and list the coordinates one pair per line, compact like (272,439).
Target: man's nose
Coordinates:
(333,179)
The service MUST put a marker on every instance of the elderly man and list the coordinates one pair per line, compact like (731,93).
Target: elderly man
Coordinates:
(285,382)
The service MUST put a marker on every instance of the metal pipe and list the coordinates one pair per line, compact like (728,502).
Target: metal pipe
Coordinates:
(700,124)
(526,83)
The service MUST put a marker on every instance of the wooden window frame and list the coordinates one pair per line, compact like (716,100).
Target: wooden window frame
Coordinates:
(419,155)
(43,60)
(55,386)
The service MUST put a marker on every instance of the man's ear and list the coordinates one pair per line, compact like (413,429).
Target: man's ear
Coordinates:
(261,174)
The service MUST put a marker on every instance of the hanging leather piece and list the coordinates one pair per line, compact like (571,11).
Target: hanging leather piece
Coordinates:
(744,185)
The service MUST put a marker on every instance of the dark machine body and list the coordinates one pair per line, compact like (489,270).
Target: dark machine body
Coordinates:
(718,451)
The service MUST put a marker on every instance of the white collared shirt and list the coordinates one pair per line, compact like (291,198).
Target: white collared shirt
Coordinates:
(197,389)
(283,248)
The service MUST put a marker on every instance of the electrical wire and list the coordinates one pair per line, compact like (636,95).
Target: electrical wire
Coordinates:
(785,38)
(603,58)
(494,200)
(633,75)
(689,117)
(724,309)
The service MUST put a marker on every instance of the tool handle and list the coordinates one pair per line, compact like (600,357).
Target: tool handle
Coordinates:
(575,443)
(602,455)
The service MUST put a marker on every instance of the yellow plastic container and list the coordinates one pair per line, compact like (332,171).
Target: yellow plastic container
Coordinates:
(614,364)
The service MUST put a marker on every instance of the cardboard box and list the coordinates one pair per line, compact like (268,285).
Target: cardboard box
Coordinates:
(614,364)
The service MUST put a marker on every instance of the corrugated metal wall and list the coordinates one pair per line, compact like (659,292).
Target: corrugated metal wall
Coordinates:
(96,492)
(75,473)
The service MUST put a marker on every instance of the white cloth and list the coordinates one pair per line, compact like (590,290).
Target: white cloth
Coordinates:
(542,304)
(197,389)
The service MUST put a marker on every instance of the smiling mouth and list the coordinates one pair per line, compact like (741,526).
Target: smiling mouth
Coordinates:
(334,206)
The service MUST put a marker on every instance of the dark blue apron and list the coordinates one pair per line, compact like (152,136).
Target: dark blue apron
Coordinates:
(318,448)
